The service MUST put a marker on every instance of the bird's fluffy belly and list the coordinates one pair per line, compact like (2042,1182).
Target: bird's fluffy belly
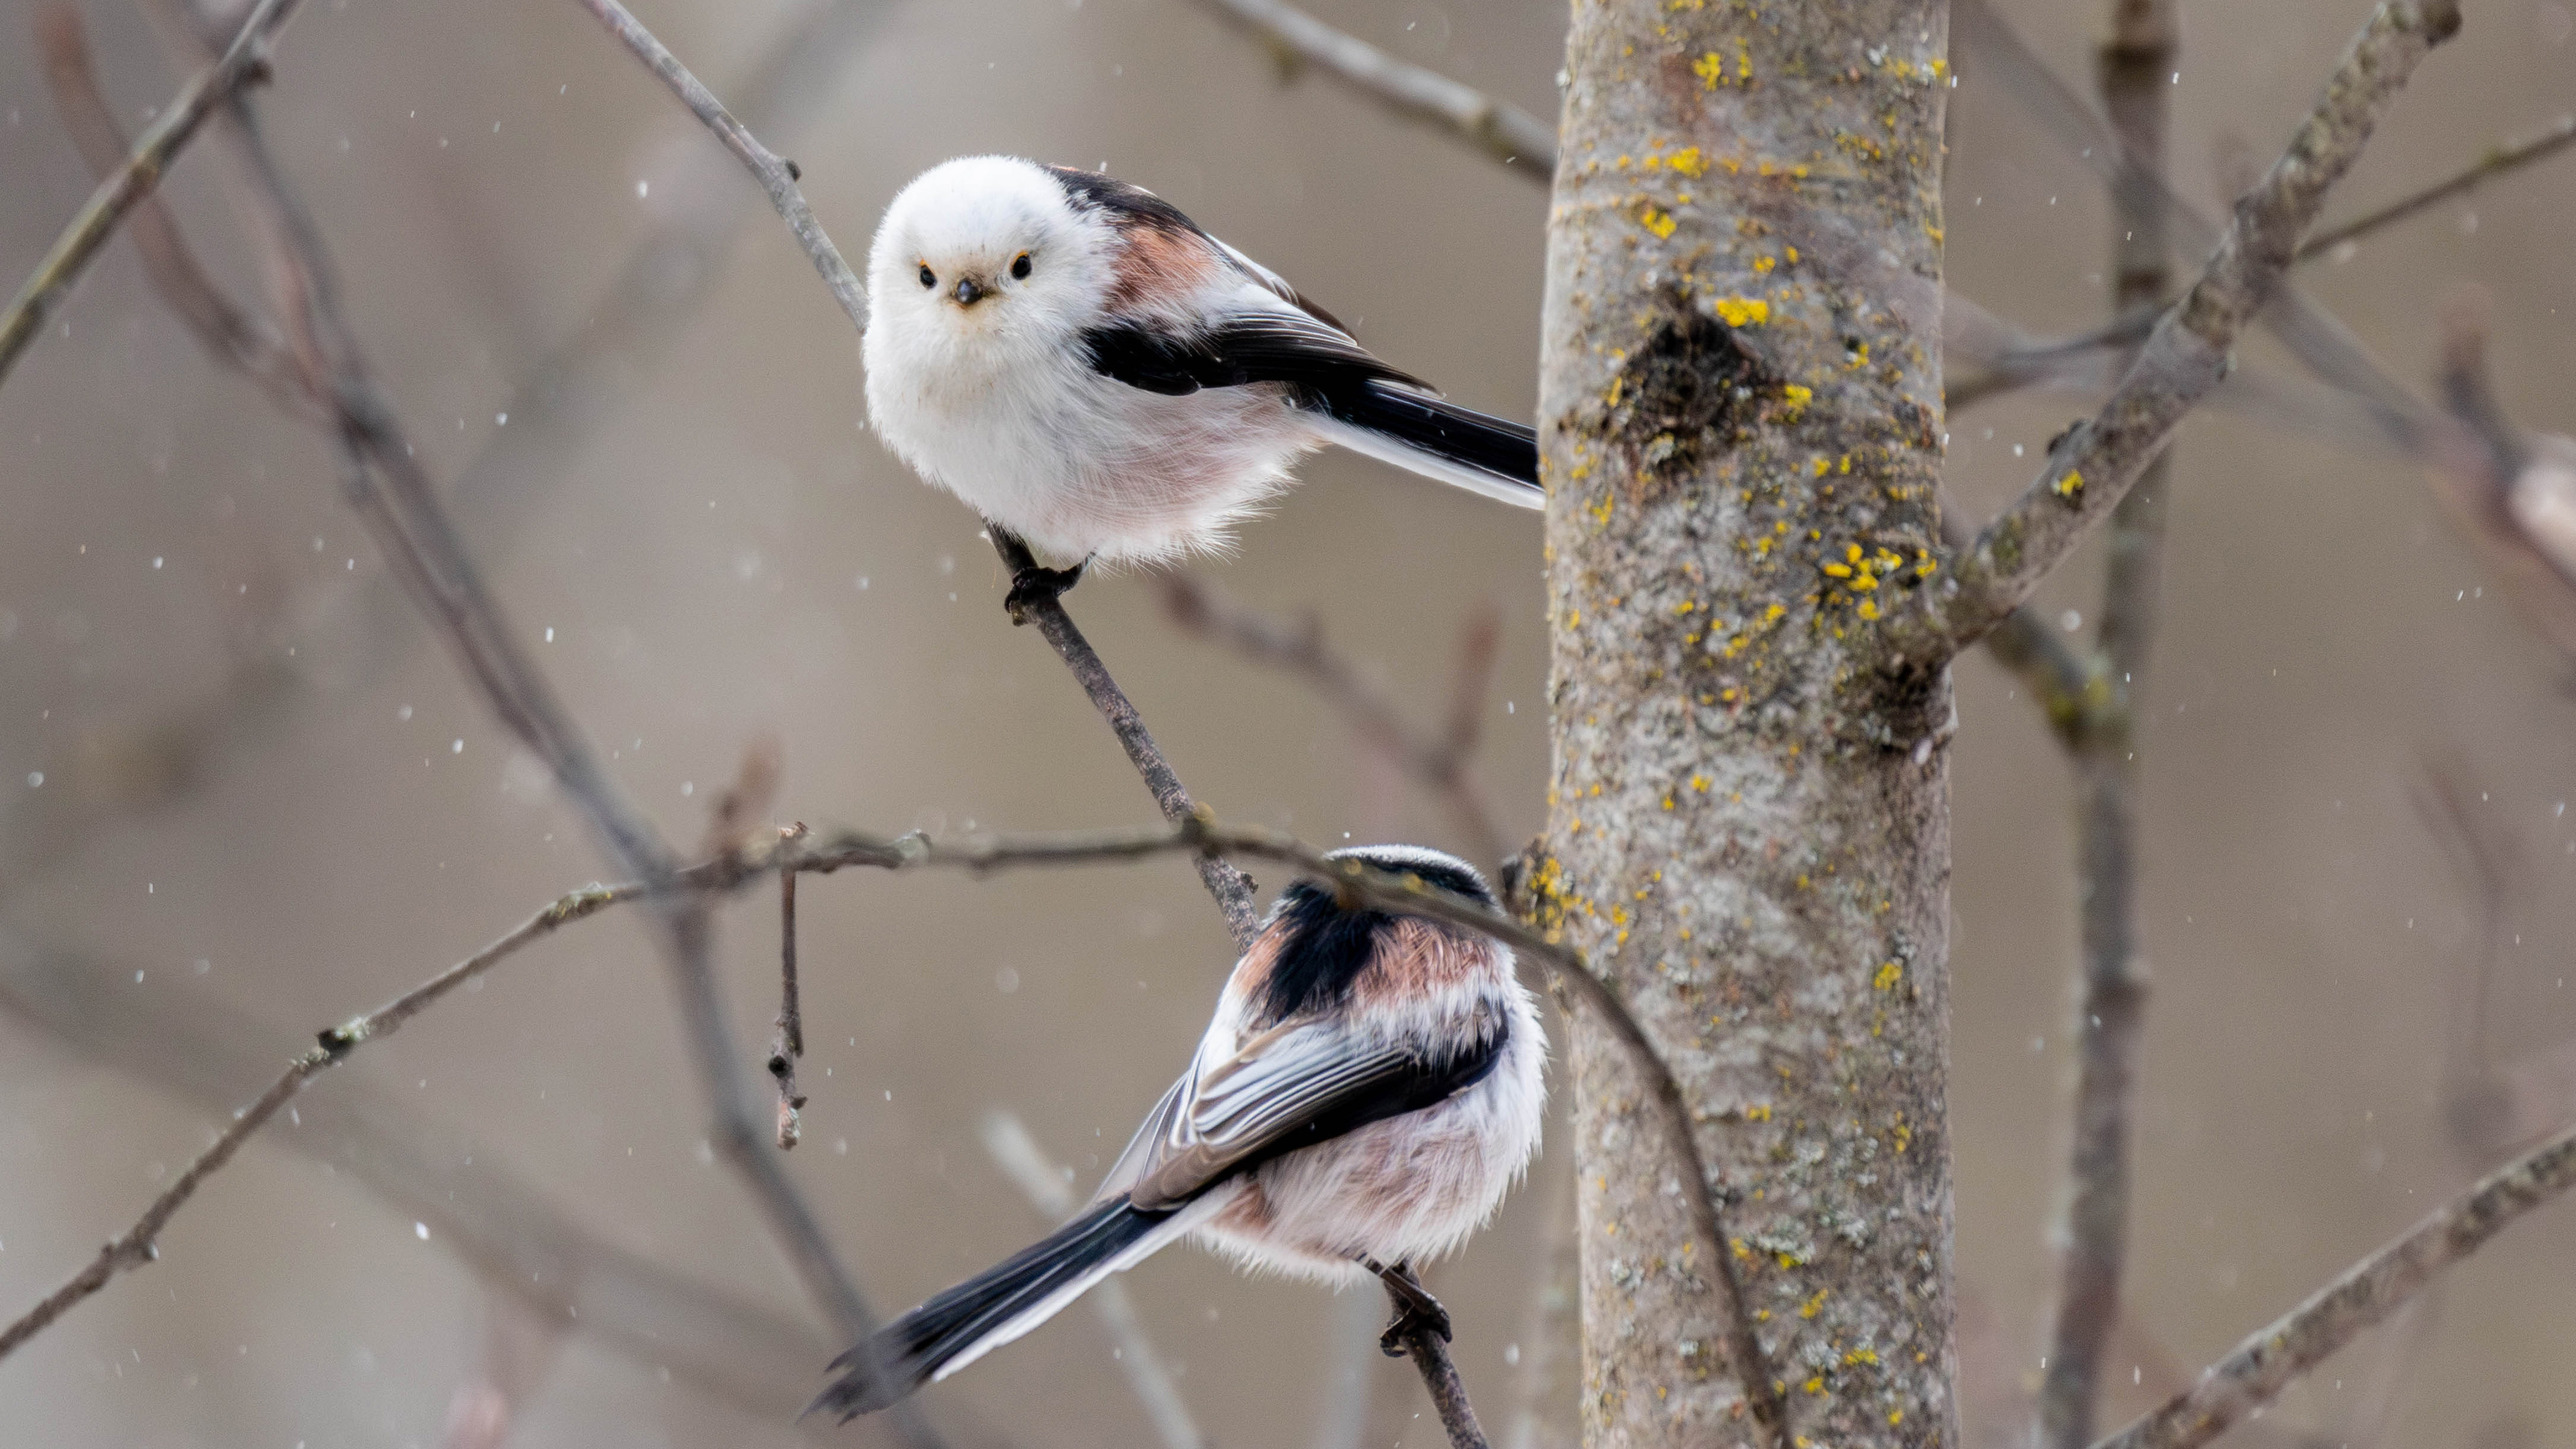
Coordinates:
(1083,467)
(1405,1190)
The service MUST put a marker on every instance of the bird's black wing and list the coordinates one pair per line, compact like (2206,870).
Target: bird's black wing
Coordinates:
(1269,345)
(1295,1085)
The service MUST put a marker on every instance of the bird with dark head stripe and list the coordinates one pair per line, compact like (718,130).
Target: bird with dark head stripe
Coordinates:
(1368,1090)
(1106,382)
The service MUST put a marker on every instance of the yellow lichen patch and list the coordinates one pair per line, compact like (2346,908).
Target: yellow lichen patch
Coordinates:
(1735,1245)
(1759,1112)
(1896,1416)
(1792,252)
(1661,223)
(1743,311)
(2068,486)
(1815,1385)
(1762,265)
(1600,512)
(1860,1355)
(1700,783)
(1856,356)
(1815,1305)
(1823,467)
(1840,571)
(1689,162)
(1868,609)
(1797,398)
(1888,976)
(1686,606)
(1710,68)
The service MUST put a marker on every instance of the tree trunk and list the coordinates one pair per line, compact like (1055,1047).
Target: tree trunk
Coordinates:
(1740,413)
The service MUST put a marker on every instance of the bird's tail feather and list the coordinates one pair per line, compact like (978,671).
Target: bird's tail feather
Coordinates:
(1437,439)
(990,1309)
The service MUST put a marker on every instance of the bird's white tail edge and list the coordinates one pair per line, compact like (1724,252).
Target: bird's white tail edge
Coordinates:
(1179,1225)
(1429,465)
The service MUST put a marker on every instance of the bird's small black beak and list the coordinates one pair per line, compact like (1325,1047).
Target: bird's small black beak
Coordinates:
(968,292)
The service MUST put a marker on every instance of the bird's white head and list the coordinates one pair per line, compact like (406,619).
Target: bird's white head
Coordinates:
(981,250)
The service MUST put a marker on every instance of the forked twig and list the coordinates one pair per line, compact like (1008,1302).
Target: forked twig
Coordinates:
(2092,467)
(242,61)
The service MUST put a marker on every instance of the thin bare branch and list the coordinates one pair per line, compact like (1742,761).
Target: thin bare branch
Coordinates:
(231,335)
(1439,763)
(2110,1017)
(507,1230)
(2092,467)
(1430,1357)
(2364,1295)
(787,1042)
(402,511)
(345,635)
(2511,156)
(2323,345)
(1045,1185)
(1231,887)
(777,176)
(243,60)
(1297,39)
(136,1246)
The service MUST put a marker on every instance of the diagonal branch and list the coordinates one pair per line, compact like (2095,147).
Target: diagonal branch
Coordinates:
(2366,1294)
(2512,156)
(2091,468)
(504,1228)
(1503,131)
(242,61)
(1231,888)
(395,500)
(135,1247)
(778,176)
(224,329)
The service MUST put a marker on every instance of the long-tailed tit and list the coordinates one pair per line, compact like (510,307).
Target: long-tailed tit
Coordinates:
(1368,1090)
(1094,374)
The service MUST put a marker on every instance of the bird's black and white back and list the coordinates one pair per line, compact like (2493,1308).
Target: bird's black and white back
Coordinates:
(1369,1088)
(1085,366)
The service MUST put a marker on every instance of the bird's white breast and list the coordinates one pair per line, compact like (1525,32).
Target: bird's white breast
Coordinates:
(1077,464)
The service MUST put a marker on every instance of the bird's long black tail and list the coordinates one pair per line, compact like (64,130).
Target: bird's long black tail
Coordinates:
(992,1308)
(1437,439)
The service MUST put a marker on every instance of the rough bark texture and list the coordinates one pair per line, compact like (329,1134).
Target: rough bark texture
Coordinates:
(1740,419)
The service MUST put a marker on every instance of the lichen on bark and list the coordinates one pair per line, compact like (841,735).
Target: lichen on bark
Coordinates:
(1748,827)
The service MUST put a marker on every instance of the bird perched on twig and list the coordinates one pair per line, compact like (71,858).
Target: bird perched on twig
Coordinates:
(1105,381)
(1368,1090)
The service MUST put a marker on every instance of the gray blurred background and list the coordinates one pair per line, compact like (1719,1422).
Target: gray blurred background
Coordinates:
(243,795)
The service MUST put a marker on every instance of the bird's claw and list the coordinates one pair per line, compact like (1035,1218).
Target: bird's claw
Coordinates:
(1416,1311)
(1034,586)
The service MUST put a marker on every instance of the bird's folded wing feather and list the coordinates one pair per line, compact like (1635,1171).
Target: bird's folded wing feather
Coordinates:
(1293,1086)
(1264,342)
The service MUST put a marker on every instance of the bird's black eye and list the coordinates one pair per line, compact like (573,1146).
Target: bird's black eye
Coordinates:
(1020,267)
(928,278)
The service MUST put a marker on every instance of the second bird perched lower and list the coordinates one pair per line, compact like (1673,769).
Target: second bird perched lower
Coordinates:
(1368,1090)
(1096,375)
